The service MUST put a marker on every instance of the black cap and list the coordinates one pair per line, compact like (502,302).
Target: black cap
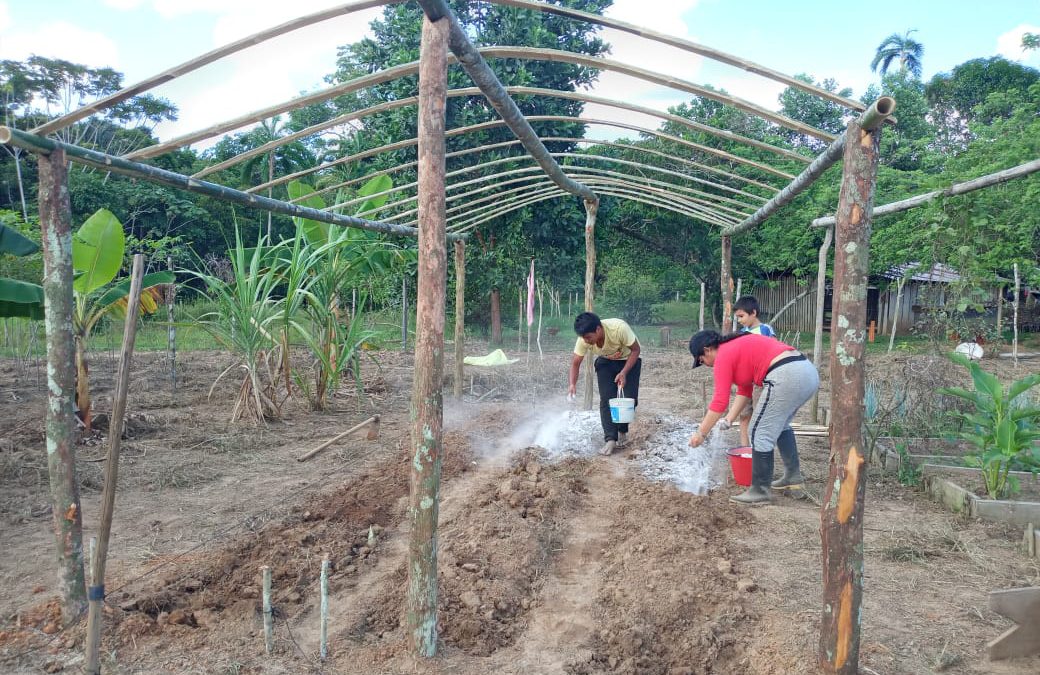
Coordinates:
(699,342)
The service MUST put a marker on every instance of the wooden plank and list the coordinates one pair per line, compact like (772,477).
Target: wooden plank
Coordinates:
(949,494)
(1021,605)
(1002,511)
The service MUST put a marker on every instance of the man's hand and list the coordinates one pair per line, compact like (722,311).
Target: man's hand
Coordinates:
(620,380)
(572,389)
(696,440)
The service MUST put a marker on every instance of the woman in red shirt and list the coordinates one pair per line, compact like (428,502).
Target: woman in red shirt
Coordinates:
(788,380)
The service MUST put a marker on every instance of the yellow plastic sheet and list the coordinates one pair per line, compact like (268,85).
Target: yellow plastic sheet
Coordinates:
(495,358)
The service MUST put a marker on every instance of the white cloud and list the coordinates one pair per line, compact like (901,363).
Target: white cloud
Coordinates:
(758,90)
(63,40)
(1009,45)
(664,16)
(5,17)
(123,5)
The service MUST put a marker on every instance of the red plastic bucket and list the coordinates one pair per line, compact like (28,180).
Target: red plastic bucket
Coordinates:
(740,463)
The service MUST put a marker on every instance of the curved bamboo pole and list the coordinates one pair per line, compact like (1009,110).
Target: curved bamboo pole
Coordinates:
(526,91)
(723,218)
(521,158)
(720,212)
(687,45)
(205,59)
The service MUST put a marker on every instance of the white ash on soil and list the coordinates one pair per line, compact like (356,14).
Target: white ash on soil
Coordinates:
(562,433)
(668,457)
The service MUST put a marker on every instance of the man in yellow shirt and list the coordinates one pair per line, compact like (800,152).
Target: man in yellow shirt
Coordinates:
(617,367)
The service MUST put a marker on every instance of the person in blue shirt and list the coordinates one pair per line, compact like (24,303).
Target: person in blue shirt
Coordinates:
(745,309)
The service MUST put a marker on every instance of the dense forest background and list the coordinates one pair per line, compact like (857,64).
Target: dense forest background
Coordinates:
(981,117)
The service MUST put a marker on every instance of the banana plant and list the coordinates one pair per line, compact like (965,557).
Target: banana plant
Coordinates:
(19,298)
(97,256)
(1001,425)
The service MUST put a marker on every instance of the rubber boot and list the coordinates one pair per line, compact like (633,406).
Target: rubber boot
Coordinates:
(761,473)
(788,447)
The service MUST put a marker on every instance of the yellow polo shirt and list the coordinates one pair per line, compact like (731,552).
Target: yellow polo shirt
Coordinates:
(618,339)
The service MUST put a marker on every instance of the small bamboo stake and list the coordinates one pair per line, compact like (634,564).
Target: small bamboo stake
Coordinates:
(268,613)
(372,435)
(700,316)
(539,333)
(96,593)
(899,306)
(591,209)
(323,649)
(460,316)
(1014,323)
(171,343)
(520,321)
(404,313)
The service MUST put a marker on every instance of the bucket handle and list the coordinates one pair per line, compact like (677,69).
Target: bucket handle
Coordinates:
(621,392)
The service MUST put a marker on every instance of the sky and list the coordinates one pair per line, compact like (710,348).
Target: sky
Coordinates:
(826,39)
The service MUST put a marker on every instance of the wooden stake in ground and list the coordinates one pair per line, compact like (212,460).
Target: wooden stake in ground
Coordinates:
(323,637)
(1014,323)
(427,403)
(736,296)
(726,279)
(895,319)
(265,592)
(171,342)
(821,301)
(842,513)
(460,315)
(96,596)
(539,332)
(700,316)
(56,231)
(590,281)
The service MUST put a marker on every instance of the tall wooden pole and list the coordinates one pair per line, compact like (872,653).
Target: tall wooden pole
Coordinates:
(700,316)
(56,231)
(842,512)
(427,398)
(591,208)
(726,274)
(821,300)
(404,312)
(171,334)
(460,314)
(899,307)
(108,493)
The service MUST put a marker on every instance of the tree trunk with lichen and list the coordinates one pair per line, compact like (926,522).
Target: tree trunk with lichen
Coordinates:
(726,283)
(427,396)
(842,512)
(56,230)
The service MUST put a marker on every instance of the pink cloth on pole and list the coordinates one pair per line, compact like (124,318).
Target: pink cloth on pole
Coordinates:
(530,295)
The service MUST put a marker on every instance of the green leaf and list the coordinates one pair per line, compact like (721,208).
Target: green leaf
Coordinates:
(377,184)
(987,383)
(316,232)
(122,289)
(21,299)
(14,242)
(1025,384)
(97,251)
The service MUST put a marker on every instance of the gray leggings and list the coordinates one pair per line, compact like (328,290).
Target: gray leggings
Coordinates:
(785,389)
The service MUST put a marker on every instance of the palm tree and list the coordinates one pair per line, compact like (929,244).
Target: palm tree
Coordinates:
(902,47)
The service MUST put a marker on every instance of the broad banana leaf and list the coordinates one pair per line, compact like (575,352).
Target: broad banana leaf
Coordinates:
(149,293)
(20,298)
(316,233)
(377,184)
(97,251)
(14,242)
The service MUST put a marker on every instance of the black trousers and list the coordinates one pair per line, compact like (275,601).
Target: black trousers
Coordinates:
(606,371)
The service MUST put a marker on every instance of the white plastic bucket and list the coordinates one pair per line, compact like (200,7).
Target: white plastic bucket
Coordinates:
(622,410)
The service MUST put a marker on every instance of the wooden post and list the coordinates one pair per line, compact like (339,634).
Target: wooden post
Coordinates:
(590,281)
(1014,322)
(842,512)
(736,296)
(666,335)
(700,317)
(1000,313)
(538,332)
(96,596)
(427,398)
(323,630)
(265,594)
(460,315)
(56,232)
(520,321)
(821,299)
(496,316)
(871,330)
(726,274)
(404,313)
(171,342)
(899,308)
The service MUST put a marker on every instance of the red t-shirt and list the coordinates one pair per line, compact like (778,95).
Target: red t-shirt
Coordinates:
(743,362)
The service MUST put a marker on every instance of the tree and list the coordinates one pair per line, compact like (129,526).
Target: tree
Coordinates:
(902,48)
(1030,41)
(811,109)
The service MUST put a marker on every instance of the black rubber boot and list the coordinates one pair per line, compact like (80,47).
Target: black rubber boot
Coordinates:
(788,447)
(761,474)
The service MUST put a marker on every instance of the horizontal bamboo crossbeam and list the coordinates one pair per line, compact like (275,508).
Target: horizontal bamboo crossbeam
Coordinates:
(687,45)
(124,167)
(957,189)
(874,116)
(477,68)
(204,59)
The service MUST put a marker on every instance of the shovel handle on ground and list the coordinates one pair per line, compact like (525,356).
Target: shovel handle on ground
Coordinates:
(372,435)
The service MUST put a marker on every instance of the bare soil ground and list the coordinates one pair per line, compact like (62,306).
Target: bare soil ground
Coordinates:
(547,565)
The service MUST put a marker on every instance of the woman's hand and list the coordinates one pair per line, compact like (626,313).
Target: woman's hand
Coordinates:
(696,440)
